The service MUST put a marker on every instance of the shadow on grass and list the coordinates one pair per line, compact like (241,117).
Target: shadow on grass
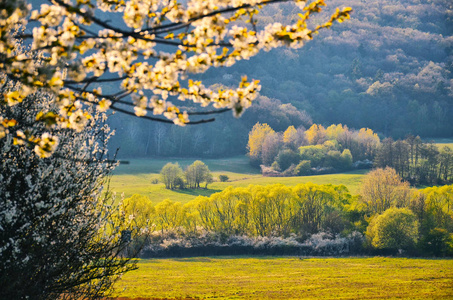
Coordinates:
(197,192)
(193,259)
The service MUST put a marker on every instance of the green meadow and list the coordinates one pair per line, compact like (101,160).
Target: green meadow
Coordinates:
(442,142)
(288,278)
(441,145)
(137,177)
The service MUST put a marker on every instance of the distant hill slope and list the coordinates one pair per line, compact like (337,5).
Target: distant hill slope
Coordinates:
(389,68)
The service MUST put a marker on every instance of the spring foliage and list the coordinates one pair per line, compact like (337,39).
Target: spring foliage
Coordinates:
(396,228)
(325,149)
(420,221)
(274,210)
(173,176)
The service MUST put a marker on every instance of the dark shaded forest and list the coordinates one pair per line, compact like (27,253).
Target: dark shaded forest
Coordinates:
(389,69)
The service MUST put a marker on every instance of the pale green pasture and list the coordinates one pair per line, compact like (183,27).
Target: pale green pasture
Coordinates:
(141,183)
(238,164)
(289,278)
(441,145)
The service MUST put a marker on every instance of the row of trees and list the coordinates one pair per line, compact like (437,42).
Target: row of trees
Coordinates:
(390,214)
(416,161)
(335,148)
(274,210)
(304,151)
(173,176)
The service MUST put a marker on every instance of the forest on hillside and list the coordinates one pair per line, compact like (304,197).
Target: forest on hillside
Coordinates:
(388,69)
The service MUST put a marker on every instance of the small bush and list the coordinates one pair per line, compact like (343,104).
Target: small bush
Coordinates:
(290,171)
(223,178)
(154,181)
(303,168)
(275,166)
(286,158)
(396,228)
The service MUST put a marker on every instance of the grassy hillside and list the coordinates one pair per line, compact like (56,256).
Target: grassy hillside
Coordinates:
(289,278)
(137,176)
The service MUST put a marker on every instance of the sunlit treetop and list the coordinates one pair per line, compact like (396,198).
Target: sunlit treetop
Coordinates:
(147,49)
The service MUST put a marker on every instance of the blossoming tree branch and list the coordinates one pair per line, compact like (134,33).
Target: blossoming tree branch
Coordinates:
(75,49)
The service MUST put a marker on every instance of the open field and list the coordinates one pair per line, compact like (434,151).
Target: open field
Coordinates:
(136,178)
(441,145)
(239,164)
(441,142)
(289,278)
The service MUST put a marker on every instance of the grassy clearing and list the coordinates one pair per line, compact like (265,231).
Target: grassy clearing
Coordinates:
(239,164)
(137,177)
(441,145)
(289,278)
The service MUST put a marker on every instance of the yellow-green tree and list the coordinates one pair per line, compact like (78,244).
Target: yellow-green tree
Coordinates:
(382,189)
(224,208)
(172,176)
(439,204)
(280,212)
(316,134)
(257,137)
(190,218)
(259,211)
(395,228)
(140,209)
(292,137)
(369,142)
(206,213)
(311,203)
(334,131)
(197,173)
(167,215)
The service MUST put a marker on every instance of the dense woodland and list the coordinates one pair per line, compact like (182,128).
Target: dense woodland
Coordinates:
(319,150)
(388,69)
(417,162)
(316,150)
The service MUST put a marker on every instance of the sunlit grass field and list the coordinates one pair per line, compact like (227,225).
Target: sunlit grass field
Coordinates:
(137,177)
(289,278)
(441,145)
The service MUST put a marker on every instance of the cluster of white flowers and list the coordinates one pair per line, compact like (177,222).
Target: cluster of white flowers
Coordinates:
(78,47)
(46,145)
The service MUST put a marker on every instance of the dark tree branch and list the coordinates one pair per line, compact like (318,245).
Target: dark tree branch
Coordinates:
(180,25)
(159,119)
(95,79)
